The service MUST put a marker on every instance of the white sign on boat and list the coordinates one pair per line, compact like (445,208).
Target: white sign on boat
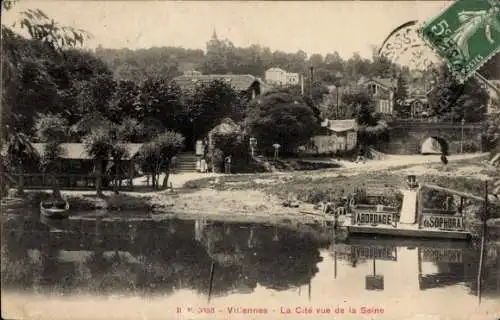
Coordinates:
(373,218)
(443,222)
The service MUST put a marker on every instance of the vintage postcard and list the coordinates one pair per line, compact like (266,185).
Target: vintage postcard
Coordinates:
(250,160)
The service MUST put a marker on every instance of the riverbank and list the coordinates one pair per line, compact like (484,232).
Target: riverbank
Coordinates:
(259,197)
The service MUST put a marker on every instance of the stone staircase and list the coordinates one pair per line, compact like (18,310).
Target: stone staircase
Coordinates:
(186,162)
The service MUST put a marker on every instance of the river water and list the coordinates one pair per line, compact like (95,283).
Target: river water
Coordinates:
(99,269)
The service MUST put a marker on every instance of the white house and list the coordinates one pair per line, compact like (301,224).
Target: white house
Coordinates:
(278,76)
(338,136)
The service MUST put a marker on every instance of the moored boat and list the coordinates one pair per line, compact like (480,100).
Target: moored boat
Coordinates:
(54,208)
(409,219)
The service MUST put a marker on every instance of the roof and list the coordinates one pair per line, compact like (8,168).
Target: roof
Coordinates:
(275,69)
(411,100)
(240,82)
(226,126)
(77,150)
(340,125)
(387,83)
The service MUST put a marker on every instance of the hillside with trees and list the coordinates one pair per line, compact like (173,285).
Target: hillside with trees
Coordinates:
(123,95)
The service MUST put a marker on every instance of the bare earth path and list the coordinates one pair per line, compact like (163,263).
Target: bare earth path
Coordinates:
(256,205)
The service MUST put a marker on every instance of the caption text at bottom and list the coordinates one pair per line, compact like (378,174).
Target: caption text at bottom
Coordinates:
(304,310)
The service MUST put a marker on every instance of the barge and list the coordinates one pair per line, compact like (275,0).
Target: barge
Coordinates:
(408,219)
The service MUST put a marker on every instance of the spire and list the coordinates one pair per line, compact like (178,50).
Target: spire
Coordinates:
(214,34)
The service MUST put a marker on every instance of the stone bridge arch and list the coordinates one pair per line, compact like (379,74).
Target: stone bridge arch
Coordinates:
(434,145)
(407,137)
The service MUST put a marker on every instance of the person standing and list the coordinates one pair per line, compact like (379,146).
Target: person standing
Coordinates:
(227,164)
(444,160)
(276,147)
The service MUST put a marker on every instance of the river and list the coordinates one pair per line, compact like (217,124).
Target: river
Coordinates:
(139,269)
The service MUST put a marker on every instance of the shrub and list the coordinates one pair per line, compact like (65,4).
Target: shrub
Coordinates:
(124,202)
(470,147)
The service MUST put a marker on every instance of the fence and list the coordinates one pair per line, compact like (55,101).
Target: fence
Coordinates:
(66,181)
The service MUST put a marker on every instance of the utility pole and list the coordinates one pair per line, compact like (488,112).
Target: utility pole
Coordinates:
(312,80)
(462,138)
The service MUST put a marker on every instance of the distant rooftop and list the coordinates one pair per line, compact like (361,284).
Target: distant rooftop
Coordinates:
(77,150)
(240,82)
(340,125)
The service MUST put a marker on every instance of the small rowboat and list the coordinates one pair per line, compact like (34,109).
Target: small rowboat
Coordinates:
(55,208)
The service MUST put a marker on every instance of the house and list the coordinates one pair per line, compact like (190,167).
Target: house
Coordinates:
(338,136)
(382,90)
(245,84)
(77,166)
(280,77)
(494,97)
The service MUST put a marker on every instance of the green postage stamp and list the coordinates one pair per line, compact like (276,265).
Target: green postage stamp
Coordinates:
(465,35)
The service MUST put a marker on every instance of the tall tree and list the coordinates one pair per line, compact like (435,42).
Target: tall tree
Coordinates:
(360,105)
(52,130)
(208,105)
(281,117)
(99,144)
(22,63)
(156,155)
(400,97)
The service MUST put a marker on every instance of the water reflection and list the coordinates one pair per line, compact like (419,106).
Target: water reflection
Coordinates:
(101,256)
(95,255)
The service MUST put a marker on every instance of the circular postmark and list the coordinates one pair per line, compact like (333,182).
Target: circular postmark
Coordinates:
(405,47)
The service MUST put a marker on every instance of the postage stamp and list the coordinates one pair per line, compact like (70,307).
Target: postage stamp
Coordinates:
(465,35)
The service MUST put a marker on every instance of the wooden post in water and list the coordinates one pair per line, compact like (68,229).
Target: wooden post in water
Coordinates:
(309,290)
(374,270)
(210,284)
(335,265)
(481,256)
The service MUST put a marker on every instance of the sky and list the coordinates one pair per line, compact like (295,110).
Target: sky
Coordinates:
(315,27)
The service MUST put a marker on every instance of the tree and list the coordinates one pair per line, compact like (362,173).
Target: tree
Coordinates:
(491,133)
(334,62)
(23,62)
(49,127)
(370,129)
(118,153)
(125,100)
(208,105)
(131,130)
(99,144)
(400,96)
(53,130)
(87,124)
(162,100)
(360,105)
(156,155)
(453,101)
(281,117)
(19,156)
